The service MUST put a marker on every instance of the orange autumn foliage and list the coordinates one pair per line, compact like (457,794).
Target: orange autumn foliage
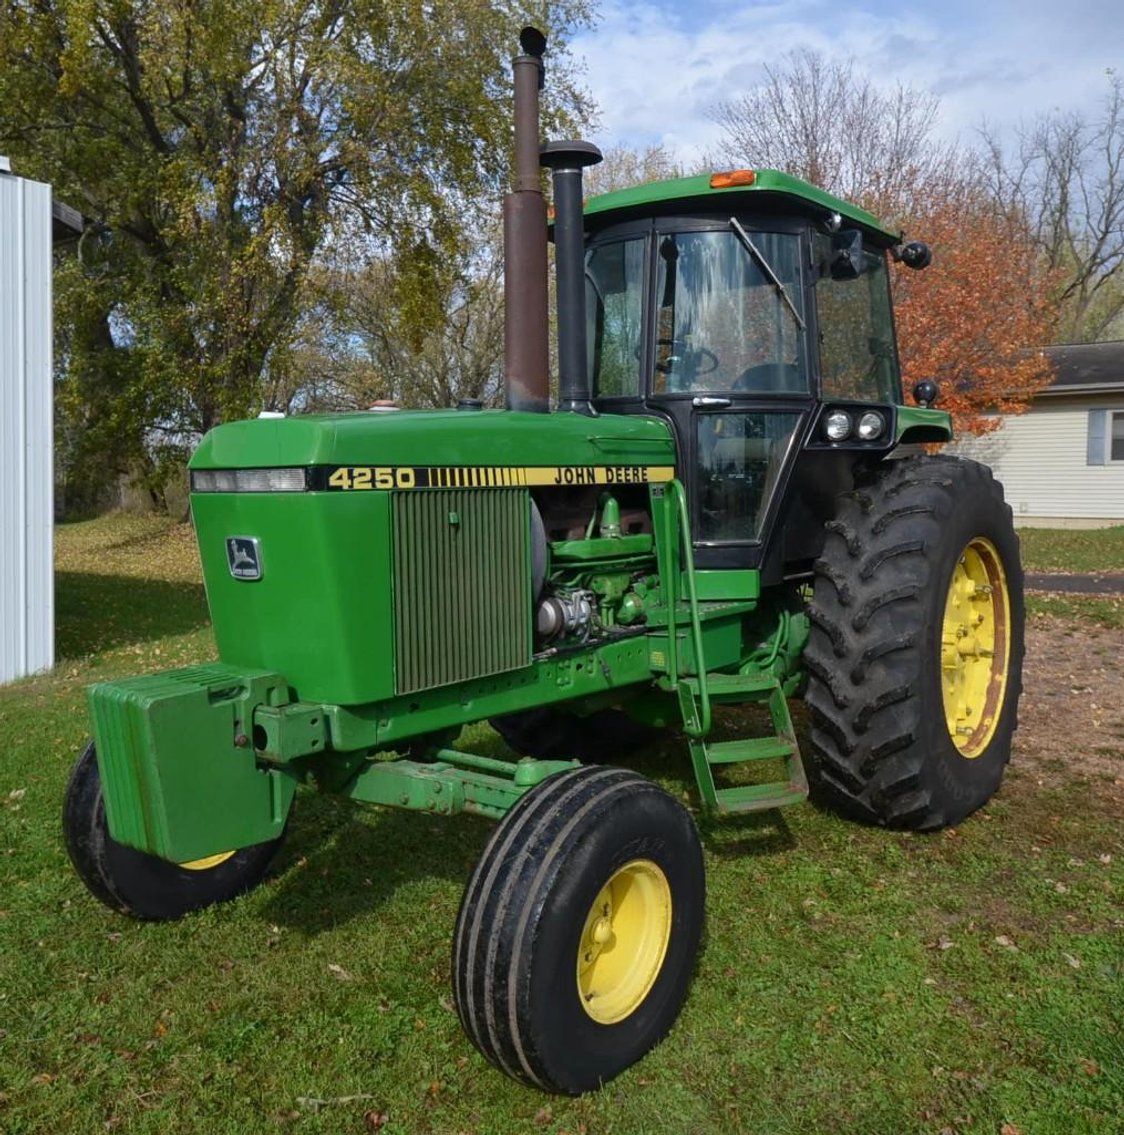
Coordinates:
(977,319)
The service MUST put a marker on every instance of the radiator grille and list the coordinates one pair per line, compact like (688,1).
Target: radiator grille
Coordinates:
(461,585)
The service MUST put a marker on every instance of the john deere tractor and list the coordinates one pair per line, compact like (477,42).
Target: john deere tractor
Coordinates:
(730,506)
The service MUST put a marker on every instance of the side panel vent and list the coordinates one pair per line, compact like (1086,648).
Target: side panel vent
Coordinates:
(462,602)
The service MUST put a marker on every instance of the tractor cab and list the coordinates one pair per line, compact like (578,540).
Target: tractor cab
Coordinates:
(751,311)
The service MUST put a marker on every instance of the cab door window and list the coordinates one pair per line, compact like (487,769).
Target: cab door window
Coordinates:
(740,456)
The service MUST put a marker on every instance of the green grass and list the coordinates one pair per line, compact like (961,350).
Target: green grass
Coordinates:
(851,980)
(1073,549)
(1105,610)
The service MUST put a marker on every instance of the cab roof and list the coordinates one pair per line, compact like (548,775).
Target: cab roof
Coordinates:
(699,191)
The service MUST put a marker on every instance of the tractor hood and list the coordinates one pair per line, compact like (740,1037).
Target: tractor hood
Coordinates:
(436,437)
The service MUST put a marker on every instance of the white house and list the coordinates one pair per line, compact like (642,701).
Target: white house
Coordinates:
(1062,462)
(29,224)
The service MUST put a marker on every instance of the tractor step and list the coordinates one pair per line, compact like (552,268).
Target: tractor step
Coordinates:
(733,686)
(732,689)
(759,797)
(750,749)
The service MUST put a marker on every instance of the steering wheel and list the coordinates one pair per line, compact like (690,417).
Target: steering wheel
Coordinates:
(705,362)
(764,376)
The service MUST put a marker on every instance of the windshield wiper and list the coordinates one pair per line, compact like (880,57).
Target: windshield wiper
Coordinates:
(767,268)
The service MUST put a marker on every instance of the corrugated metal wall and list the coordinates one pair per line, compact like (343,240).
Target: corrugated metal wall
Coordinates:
(1042,459)
(27,618)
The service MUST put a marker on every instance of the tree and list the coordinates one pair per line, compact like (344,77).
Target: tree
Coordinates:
(404,330)
(1066,176)
(218,149)
(823,122)
(624,167)
(976,320)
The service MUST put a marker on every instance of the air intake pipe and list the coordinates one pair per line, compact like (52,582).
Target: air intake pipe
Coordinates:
(566,160)
(526,362)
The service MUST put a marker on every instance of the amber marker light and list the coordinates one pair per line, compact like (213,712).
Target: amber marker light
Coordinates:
(732,178)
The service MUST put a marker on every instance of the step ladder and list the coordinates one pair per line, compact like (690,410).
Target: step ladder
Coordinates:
(698,692)
(706,755)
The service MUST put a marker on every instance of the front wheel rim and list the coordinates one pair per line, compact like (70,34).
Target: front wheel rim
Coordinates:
(624,941)
(975,647)
(208,862)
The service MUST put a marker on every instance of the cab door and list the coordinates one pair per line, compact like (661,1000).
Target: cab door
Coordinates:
(729,351)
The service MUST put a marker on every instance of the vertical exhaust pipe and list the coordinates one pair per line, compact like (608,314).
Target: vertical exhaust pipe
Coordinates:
(526,361)
(566,160)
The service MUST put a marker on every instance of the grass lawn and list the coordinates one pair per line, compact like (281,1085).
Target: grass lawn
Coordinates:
(1073,549)
(851,980)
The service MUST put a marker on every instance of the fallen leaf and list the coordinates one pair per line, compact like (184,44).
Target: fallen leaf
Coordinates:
(339,971)
(1071,960)
(375,1119)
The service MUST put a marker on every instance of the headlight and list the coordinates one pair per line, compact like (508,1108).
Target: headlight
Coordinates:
(837,425)
(248,480)
(871,425)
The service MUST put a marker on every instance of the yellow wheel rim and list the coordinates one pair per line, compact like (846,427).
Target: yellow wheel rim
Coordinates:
(975,646)
(207,863)
(624,941)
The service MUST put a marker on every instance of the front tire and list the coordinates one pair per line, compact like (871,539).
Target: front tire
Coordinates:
(915,654)
(578,931)
(141,885)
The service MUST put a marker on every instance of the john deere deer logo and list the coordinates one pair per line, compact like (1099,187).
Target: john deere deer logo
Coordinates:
(244,557)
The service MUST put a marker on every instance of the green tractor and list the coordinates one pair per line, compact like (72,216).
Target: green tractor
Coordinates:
(730,506)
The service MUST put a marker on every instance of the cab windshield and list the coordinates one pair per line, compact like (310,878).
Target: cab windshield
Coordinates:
(730,313)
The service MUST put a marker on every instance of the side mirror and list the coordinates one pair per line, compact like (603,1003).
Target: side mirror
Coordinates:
(846,254)
(916,254)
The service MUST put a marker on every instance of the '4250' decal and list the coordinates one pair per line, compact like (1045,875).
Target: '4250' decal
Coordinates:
(373,477)
(350,477)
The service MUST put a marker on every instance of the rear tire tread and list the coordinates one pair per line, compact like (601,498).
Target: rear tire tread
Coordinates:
(885,554)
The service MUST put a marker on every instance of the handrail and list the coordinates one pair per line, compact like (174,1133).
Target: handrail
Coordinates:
(679,496)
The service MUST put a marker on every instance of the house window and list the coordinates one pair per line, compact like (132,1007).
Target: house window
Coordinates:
(1106,437)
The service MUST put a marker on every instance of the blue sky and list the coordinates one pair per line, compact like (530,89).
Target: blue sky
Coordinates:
(655,66)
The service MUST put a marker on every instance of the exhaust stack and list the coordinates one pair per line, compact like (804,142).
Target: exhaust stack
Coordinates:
(526,361)
(566,160)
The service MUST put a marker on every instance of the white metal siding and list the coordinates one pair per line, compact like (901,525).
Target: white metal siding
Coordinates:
(27,623)
(1040,457)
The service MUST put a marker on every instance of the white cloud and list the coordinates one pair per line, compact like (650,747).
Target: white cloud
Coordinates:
(656,68)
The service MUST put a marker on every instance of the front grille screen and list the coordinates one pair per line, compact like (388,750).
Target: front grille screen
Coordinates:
(462,602)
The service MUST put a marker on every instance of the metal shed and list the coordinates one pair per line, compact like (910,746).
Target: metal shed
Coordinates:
(28,222)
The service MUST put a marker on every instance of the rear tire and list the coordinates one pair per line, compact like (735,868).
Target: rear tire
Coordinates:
(141,885)
(915,654)
(578,931)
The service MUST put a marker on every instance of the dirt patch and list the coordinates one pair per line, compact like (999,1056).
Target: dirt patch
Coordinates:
(1071,716)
